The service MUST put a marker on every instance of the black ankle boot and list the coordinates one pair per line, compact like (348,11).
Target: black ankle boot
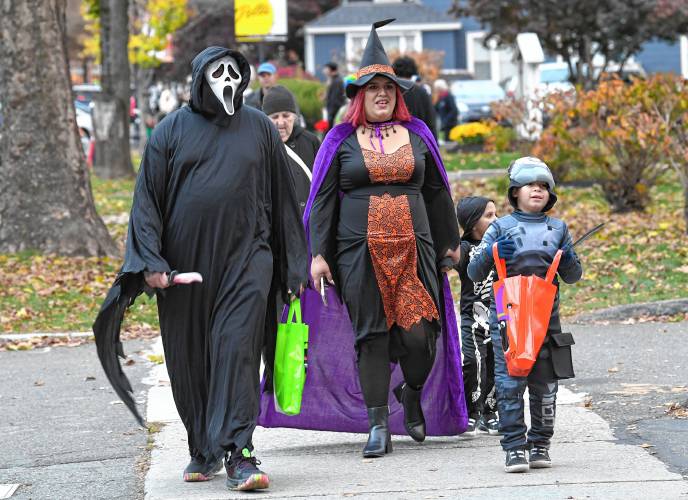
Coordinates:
(379,438)
(414,421)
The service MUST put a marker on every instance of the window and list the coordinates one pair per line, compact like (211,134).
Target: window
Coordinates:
(488,63)
(482,68)
(391,41)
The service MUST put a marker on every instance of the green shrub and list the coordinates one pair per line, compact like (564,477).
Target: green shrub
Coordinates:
(501,140)
(616,134)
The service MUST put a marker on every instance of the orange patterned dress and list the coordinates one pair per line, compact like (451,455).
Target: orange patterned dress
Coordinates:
(380,220)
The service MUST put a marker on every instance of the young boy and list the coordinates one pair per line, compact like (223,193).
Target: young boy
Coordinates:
(528,239)
(475,214)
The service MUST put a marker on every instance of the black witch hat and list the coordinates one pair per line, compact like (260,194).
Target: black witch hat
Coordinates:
(375,62)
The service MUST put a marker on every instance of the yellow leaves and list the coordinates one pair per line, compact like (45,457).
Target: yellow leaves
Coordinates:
(162,18)
(629,268)
(19,346)
(157,359)
(149,33)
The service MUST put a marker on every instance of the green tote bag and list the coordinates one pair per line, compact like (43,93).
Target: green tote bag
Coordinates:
(290,361)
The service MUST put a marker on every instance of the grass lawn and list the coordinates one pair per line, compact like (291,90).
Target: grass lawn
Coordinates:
(478,161)
(635,258)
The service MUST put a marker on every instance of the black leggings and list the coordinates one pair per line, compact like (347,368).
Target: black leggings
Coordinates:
(416,361)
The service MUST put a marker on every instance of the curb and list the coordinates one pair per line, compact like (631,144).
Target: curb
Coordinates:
(628,311)
(29,336)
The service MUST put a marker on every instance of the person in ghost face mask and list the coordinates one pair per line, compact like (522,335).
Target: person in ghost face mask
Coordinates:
(214,196)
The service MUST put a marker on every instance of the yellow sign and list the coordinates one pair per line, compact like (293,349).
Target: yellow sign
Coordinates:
(253,18)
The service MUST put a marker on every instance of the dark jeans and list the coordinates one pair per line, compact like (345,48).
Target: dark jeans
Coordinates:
(510,390)
(478,371)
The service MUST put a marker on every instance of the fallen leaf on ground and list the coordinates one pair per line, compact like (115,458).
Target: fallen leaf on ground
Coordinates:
(158,359)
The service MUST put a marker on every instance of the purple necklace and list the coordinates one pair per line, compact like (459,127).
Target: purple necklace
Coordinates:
(377,129)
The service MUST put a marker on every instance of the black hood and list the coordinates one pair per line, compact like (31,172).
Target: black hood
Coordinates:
(202,98)
(469,210)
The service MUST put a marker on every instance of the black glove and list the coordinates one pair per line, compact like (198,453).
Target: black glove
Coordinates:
(568,255)
(506,247)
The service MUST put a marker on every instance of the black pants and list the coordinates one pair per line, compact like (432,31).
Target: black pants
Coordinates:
(414,351)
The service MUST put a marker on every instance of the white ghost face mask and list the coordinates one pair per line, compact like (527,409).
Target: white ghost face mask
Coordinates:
(224,78)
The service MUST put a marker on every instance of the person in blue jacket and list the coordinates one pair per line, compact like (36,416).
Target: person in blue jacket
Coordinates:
(528,240)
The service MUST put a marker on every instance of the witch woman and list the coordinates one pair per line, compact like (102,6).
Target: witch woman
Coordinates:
(382,231)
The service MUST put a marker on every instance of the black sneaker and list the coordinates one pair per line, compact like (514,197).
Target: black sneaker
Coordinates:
(243,473)
(471,428)
(539,458)
(489,424)
(198,470)
(516,461)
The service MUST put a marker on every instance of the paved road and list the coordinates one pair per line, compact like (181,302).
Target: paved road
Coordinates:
(60,434)
(633,373)
(588,463)
(61,437)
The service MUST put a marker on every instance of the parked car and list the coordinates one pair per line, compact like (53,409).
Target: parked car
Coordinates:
(85,92)
(84,121)
(473,98)
(554,77)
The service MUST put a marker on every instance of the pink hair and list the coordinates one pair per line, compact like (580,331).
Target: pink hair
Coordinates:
(356,113)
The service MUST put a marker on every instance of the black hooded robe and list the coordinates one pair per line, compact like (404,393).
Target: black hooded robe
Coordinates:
(213,195)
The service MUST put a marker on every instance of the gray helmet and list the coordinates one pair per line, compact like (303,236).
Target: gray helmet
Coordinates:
(526,170)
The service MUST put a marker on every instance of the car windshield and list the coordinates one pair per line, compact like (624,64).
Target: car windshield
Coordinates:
(477,91)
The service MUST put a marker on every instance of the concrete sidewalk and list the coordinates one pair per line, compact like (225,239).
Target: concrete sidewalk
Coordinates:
(588,463)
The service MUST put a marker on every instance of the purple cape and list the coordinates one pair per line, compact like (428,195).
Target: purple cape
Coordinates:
(332,398)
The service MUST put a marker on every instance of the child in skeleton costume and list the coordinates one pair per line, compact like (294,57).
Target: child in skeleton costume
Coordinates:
(528,240)
(213,195)
(475,214)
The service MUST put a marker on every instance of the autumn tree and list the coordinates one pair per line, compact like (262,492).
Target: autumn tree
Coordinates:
(111,106)
(622,136)
(582,30)
(46,202)
(668,100)
(299,13)
(153,22)
(150,24)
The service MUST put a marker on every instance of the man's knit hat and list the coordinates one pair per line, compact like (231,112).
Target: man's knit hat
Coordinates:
(526,170)
(278,99)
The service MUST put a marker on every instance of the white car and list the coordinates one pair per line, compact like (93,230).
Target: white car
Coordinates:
(554,77)
(84,122)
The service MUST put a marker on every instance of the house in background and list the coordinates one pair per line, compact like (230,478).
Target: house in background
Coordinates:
(663,57)
(340,35)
